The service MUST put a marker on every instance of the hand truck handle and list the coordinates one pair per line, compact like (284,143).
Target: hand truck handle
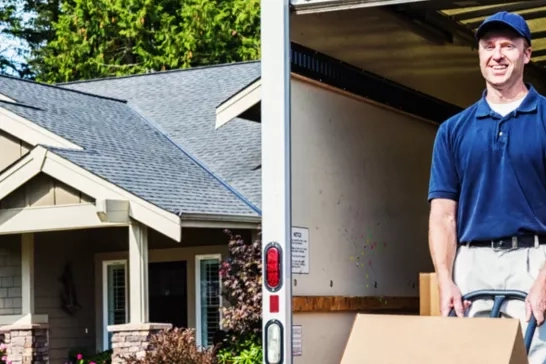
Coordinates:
(499,296)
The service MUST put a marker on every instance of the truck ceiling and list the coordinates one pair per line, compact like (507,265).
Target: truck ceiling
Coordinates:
(428,46)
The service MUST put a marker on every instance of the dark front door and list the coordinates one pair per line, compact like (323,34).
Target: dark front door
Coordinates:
(168,293)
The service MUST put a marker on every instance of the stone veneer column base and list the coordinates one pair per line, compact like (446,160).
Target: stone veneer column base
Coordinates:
(133,339)
(26,343)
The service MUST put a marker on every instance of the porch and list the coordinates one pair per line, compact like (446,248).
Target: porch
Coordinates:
(76,269)
(74,285)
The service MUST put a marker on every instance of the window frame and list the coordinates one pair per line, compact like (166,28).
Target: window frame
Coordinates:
(105,297)
(198,323)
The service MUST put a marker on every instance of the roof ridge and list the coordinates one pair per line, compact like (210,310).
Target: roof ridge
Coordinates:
(19,79)
(176,70)
(194,159)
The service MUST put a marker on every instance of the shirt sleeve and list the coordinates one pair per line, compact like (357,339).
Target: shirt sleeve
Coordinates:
(444,179)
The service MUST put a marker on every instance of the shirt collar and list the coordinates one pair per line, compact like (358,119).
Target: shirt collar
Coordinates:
(528,105)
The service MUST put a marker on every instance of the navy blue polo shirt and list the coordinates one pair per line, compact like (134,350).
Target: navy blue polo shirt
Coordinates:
(495,168)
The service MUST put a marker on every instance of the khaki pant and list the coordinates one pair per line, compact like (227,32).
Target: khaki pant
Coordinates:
(477,268)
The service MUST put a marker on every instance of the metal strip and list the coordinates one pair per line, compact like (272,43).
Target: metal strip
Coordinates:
(276,156)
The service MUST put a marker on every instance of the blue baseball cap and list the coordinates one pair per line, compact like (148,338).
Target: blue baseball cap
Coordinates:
(510,20)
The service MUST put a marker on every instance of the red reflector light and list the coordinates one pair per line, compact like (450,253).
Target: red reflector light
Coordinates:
(273,267)
(274,304)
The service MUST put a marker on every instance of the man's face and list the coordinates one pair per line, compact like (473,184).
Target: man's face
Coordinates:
(503,55)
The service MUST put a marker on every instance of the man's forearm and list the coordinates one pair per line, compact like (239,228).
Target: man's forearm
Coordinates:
(442,240)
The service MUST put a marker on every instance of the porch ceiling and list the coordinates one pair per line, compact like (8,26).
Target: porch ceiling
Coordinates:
(428,45)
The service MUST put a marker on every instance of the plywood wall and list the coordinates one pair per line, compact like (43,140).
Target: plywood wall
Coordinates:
(360,178)
(359,189)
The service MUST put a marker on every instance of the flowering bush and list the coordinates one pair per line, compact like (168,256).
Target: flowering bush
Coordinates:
(99,358)
(241,275)
(4,354)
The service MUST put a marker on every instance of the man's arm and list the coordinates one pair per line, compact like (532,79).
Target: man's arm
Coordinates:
(443,236)
(443,248)
(444,190)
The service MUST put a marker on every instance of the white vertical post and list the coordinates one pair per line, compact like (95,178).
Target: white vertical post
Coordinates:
(276,154)
(138,273)
(27,274)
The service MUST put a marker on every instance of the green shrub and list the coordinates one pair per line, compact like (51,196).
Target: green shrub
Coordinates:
(243,351)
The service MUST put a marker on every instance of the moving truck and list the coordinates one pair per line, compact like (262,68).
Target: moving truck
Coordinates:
(350,98)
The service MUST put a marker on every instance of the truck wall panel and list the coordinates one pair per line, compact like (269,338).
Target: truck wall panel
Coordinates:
(359,184)
(360,179)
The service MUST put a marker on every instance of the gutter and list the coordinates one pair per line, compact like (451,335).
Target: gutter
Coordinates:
(221,218)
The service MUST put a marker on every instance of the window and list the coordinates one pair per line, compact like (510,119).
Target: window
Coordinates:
(114,286)
(208,298)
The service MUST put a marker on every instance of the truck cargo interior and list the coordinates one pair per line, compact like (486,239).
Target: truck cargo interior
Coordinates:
(370,83)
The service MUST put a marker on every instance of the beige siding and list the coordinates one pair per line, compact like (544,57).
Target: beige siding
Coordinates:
(194,242)
(55,249)
(52,252)
(10,275)
(43,190)
(11,149)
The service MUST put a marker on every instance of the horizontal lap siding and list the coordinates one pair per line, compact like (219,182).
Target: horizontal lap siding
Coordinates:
(10,275)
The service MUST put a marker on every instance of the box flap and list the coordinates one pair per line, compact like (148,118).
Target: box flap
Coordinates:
(395,339)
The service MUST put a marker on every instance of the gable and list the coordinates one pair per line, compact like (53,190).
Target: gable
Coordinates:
(109,198)
(43,190)
(11,149)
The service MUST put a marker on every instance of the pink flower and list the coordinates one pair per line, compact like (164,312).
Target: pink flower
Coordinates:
(79,357)
(3,346)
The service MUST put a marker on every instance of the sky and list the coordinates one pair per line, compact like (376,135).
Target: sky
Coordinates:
(9,46)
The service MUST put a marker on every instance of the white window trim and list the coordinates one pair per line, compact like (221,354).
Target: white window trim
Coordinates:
(198,259)
(105,264)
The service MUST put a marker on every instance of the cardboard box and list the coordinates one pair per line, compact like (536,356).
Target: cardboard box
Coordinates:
(400,339)
(429,295)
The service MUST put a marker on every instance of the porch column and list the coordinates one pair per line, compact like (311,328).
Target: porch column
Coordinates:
(133,339)
(27,274)
(138,273)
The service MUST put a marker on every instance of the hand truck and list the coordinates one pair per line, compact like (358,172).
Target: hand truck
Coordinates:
(499,296)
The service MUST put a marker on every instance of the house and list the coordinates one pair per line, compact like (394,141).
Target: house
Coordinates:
(114,197)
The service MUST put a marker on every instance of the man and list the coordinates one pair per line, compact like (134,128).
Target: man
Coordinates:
(488,186)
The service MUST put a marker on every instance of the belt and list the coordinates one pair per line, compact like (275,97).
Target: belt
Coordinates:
(524,241)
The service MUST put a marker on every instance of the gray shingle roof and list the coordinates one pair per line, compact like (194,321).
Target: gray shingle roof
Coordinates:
(122,147)
(182,103)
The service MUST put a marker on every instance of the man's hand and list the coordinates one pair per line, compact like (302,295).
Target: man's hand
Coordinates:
(450,297)
(536,300)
